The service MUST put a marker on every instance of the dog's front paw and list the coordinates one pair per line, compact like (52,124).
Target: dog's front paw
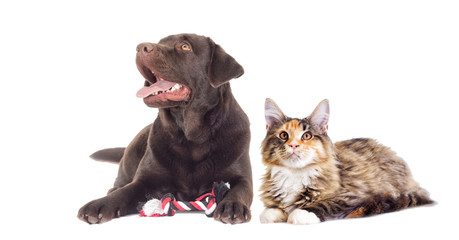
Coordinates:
(232,212)
(99,211)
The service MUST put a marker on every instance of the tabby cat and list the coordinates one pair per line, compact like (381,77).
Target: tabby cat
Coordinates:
(309,179)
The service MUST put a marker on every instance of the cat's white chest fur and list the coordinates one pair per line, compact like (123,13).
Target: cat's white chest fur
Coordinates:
(288,183)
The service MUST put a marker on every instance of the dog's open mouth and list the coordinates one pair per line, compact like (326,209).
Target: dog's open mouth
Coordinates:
(157,89)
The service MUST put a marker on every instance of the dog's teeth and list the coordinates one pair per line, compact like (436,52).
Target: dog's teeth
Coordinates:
(176,86)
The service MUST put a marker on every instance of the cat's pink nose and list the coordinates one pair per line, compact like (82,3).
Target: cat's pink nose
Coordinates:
(293,146)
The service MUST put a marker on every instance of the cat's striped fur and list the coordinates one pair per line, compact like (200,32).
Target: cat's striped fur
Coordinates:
(306,173)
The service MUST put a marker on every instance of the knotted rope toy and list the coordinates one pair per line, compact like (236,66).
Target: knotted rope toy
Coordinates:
(167,206)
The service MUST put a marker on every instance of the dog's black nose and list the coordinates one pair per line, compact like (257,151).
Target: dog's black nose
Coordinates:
(145,47)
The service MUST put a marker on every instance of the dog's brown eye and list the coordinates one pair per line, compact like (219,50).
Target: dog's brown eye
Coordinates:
(283,135)
(306,136)
(186,47)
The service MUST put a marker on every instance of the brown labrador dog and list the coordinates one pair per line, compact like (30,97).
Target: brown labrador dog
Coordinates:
(201,134)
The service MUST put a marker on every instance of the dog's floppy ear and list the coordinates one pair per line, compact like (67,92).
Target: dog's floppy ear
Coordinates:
(222,67)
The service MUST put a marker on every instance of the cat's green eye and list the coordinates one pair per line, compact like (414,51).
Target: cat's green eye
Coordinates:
(306,136)
(283,136)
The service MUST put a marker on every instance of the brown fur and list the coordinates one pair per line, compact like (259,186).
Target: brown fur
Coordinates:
(201,134)
(352,178)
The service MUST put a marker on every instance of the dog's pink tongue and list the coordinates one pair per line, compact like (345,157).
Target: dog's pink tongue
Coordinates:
(160,85)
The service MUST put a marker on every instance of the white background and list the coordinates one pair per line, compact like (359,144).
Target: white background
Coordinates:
(68,82)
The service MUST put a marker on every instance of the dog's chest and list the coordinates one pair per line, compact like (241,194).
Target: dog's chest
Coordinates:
(194,153)
(198,153)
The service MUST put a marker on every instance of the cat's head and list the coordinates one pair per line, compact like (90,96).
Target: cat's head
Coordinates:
(294,142)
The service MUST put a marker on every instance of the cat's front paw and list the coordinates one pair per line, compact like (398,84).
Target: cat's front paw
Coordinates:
(272,215)
(302,217)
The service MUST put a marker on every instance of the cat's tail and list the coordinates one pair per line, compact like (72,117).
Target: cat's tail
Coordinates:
(111,155)
(384,204)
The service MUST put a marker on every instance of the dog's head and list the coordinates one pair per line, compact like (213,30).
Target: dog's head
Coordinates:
(182,68)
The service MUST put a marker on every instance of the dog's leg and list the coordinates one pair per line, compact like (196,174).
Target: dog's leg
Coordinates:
(235,206)
(123,198)
(120,202)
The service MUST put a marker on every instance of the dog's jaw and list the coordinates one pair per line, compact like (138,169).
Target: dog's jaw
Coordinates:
(160,93)
(169,99)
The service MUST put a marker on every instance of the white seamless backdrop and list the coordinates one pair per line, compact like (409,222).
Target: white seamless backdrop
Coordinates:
(68,82)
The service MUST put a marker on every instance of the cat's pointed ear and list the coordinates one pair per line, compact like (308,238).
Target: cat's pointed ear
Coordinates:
(319,117)
(273,114)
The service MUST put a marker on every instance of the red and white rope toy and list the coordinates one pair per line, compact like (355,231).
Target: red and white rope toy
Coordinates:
(167,206)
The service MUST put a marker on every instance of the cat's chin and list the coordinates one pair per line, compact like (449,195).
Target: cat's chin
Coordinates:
(296,162)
